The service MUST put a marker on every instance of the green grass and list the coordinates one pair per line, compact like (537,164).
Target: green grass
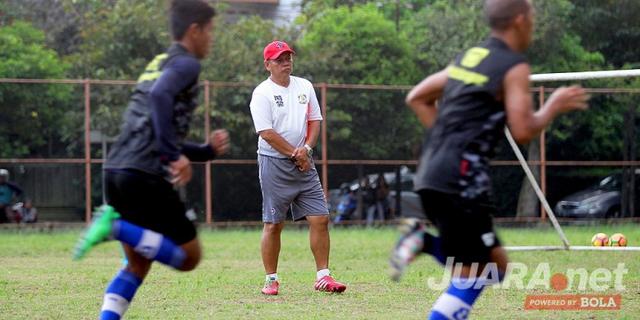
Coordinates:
(38,280)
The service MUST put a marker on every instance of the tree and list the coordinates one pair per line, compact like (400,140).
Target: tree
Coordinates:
(613,41)
(359,45)
(33,116)
(440,31)
(118,39)
(609,27)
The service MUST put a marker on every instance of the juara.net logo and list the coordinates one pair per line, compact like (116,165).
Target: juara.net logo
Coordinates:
(520,276)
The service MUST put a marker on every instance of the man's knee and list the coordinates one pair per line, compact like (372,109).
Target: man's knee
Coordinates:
(321,221)
(273,228)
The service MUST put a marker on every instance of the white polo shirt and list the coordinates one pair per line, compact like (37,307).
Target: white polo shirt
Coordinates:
(285,110)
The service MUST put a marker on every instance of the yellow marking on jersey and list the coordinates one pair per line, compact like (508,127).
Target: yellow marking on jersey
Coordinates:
(474,56)
(466,76)
(149,76)
(152,72)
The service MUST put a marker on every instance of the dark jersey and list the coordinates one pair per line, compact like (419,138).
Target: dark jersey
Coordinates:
(471,118)
(157,118)
(8,191)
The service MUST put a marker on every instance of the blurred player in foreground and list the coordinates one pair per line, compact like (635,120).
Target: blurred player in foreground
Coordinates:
(151,159)
(485,88)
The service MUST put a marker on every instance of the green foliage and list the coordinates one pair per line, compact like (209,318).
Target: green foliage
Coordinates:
(354,45)
(119,39)
(359,45)
(441,31)
(555,47)
(32,115)
(609,27)
(237,52)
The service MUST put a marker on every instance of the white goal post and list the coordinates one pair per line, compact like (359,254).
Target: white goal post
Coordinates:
(566,76)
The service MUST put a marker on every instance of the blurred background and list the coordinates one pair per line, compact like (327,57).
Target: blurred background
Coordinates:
(65,77)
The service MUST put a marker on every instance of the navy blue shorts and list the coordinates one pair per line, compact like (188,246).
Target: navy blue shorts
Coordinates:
(150,202)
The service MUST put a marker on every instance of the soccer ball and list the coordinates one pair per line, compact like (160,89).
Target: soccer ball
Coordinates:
(600,240)
(618,240)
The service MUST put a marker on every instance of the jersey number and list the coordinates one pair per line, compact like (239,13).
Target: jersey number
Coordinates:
(152,72)
(474,56)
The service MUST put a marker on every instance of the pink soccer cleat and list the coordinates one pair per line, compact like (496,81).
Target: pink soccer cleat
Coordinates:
(328,284)
(270,287)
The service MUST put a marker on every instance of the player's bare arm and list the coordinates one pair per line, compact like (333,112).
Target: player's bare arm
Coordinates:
(422,98)
(524,123)
(301,154)
(277,142)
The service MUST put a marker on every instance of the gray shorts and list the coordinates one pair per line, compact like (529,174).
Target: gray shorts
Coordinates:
(284,187)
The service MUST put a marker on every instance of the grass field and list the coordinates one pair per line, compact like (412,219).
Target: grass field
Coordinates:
(38,280)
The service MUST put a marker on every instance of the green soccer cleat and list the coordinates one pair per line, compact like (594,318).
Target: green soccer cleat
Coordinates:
(99,231)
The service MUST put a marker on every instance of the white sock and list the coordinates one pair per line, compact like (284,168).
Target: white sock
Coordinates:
(322,273)
(272,276)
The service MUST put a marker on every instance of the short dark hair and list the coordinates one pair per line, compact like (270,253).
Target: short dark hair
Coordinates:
(500,13)
(184,13)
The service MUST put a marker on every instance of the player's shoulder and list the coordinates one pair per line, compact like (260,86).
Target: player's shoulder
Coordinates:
(185,63)
(302,82)
(263,88)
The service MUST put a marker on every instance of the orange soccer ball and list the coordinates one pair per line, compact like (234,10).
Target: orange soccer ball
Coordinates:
(618,240)
(600,240)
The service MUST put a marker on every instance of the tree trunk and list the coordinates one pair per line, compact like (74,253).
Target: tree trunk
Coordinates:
(528,203)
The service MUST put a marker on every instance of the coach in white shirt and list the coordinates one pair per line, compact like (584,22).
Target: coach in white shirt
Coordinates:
(286,115)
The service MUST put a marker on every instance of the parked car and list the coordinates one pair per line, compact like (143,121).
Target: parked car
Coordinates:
(601,200)
(410,204)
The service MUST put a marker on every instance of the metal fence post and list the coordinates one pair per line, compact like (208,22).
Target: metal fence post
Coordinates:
(325,164)
(207,166)
(87,150)
(543,157)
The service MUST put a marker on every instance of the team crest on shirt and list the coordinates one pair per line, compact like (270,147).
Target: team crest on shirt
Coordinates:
(302,99)
(279,101)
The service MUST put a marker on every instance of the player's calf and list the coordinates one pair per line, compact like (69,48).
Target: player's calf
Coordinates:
(119,294)
(457,301)
(413,241)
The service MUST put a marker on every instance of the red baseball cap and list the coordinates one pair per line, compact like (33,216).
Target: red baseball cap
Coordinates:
(274,49)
